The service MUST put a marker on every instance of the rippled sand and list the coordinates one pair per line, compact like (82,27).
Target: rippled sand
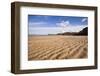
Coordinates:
(57,47)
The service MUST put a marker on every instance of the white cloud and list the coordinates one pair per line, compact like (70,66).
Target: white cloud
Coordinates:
(84,19)
(44,30)
(36,23)
(54,30)
(63,24)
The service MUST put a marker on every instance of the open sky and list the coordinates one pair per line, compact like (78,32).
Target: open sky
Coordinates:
(44,25)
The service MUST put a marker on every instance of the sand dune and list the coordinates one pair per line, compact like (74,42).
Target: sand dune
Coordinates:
(57,47)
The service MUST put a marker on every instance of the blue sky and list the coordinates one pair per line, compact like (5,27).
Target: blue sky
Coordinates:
(43,25)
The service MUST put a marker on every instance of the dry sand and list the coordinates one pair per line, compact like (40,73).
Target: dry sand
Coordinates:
(57,47)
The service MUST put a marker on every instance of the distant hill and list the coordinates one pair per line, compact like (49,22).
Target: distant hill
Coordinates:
(84,31)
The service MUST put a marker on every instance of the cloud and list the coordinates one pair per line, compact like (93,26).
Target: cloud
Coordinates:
(54,30)
(84,19)
(36,24)
(68,27)
(63,24)
(44,30)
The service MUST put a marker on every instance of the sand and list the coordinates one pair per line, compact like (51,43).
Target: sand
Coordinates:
(57,47)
